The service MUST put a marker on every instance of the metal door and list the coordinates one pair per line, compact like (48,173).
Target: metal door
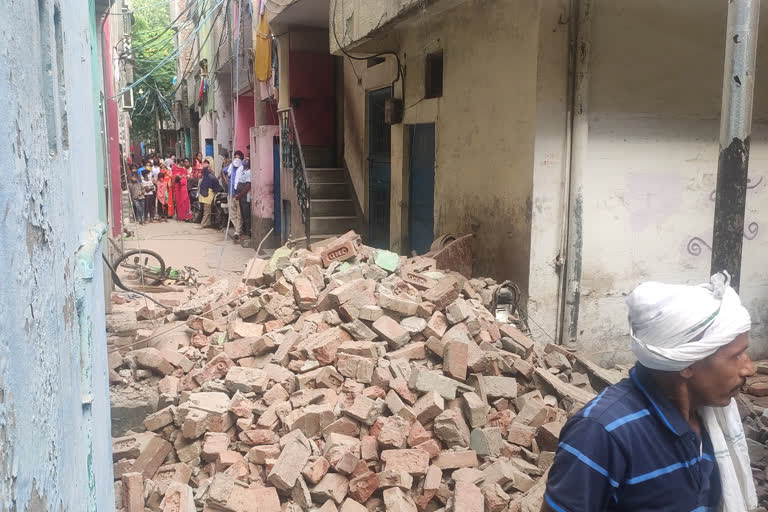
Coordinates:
(380,168)
(421,196)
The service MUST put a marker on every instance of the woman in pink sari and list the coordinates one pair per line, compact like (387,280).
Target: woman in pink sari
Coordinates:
(180,193)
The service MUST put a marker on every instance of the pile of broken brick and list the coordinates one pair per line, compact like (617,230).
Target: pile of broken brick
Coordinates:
(347,378)
(753,406)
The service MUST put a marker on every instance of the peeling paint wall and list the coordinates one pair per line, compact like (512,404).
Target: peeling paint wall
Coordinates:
(654,108)
(56,451)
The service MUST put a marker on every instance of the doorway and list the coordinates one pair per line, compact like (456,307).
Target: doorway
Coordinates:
(421,194)
(379,169)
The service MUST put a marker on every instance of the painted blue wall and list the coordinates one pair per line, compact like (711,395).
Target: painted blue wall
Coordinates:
(55,446)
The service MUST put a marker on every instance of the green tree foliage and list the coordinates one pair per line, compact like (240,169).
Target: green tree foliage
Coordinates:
(153,40)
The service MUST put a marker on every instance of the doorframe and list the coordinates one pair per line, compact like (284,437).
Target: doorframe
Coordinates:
(405,223)
(367,161)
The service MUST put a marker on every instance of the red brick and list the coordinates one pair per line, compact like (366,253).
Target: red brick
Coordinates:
(400,386)
(214,443)
(369,448)
(339,252)
(133,492)
(362,487)
(152,456)
(215,369)
(397,501)
(432,447)
(418,434)
(258,436)
(395,335)
(437,325)
(443,293)
(315,470)
(455,460)
(468,498)
(239,349)
(304,293)
(413,461)
(455,359)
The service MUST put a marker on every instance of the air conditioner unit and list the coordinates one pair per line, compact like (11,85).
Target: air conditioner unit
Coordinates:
(127,100)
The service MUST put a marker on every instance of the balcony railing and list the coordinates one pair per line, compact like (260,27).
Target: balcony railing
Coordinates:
(292,159)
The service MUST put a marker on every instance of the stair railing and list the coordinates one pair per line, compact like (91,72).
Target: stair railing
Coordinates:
(292,157)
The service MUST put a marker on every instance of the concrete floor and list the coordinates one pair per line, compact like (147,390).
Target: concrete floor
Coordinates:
(183,243)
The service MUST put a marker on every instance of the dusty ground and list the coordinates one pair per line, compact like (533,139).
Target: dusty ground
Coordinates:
(182,243)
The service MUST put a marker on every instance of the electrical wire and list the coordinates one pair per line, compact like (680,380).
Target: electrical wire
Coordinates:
(199,51)
(400,73)
(170,26)
(230,196)
(137,10)
(167,59)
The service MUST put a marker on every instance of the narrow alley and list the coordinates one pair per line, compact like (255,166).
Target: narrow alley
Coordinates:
(384,256)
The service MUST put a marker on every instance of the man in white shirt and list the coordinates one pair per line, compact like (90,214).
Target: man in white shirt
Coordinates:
(243,196)
(233,171)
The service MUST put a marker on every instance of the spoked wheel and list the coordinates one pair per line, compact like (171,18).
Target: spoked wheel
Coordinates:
(140,265)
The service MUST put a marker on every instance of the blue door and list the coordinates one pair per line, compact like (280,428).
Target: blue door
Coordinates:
(379,170)
(421,196)
(276,170)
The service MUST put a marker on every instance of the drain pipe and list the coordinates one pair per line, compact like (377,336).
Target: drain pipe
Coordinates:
(574,237)
(735,133)
(85,271)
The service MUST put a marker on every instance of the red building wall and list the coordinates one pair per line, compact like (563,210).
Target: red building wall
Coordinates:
(312,97)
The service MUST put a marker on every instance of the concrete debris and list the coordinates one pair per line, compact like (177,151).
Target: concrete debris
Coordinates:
(352,379)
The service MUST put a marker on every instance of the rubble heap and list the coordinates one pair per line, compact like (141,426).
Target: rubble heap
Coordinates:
(347,379)
(753,406)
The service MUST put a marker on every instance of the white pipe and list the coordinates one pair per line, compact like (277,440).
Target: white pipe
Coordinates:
(571,295)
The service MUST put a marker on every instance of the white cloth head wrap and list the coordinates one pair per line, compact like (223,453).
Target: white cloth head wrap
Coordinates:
(672,327)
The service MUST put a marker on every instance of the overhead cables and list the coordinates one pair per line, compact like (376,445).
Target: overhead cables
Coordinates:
(400,73)
(167,59)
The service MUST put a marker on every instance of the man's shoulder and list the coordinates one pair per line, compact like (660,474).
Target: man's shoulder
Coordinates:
(612,404)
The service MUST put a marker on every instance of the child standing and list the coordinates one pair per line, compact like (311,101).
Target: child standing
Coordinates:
(149,195)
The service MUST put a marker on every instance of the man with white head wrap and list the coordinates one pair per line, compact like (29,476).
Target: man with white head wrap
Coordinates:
(669,438)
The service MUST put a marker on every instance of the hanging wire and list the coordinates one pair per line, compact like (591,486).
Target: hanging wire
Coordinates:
(234,133)
(167,59)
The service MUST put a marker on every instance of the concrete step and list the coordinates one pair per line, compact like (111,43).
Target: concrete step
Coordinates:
(332,224)
(329,190)
(326,175)
(332,207)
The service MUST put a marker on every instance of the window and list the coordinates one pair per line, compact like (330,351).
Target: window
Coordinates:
(433,75)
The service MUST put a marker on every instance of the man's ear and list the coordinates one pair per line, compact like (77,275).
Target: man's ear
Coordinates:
(687,373)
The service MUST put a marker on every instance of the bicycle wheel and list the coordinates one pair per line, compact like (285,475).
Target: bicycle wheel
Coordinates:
(146,267)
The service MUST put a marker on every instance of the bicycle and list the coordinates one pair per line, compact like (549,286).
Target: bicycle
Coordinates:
(148,268)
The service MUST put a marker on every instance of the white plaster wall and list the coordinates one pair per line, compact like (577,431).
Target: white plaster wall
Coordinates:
(549,168)
(652,161)
(49,199)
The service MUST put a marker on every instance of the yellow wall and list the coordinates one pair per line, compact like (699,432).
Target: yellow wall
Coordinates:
(485,125)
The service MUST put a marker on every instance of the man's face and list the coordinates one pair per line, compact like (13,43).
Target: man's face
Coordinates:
(718,378)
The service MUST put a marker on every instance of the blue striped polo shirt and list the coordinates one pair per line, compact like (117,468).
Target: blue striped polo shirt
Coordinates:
(630,449)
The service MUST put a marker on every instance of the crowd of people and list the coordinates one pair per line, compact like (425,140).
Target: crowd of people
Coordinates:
(160,190)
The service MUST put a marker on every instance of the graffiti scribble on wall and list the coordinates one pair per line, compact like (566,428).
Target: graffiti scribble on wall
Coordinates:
(696,245)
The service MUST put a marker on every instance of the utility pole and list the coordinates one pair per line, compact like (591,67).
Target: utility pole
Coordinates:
(735,132)
(159,124)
